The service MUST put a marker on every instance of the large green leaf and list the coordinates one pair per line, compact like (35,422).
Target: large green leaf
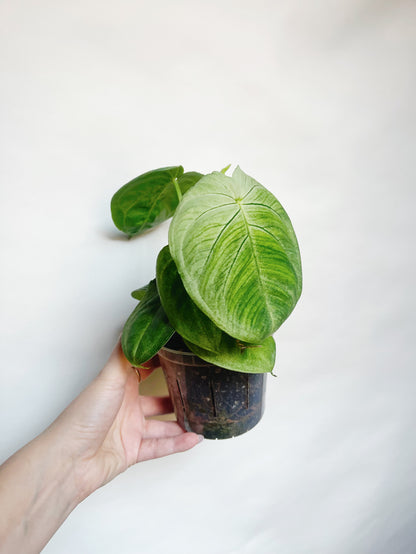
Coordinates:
(237,254)
(147,329)
(184,315)
(149,199)
(202,335)
(239,357)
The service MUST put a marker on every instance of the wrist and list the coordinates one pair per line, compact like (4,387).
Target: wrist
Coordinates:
(61,467)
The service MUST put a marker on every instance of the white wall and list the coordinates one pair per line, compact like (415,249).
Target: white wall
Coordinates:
(317,101)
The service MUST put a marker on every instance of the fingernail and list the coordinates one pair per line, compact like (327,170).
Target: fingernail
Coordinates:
(200,438)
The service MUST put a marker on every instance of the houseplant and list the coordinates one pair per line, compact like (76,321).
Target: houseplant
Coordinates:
(229,277)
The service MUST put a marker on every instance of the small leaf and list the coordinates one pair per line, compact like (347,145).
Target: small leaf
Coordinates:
(138,294)
(147,329)
(259,358)
(184,315)
(146,201)
(225,169)
(188,180)
(237,255)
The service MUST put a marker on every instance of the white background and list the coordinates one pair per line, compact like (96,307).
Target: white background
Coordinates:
(316,100)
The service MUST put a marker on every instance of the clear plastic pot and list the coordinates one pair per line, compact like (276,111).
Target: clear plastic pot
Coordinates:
(210,400)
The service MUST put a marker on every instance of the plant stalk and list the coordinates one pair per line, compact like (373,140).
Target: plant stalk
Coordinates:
(178,189)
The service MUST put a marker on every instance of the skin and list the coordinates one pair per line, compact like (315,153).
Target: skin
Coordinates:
(100,434)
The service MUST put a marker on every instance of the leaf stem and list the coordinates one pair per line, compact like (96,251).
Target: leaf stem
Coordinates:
(178,189)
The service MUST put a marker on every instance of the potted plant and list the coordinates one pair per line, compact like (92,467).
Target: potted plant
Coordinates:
(229,277)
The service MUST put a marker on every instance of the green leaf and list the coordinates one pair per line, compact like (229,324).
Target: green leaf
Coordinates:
(225,169)
(146,201)
(237,255)
(138,294)
(184,315)
(202,336)
(240,356)
(188,180)
(147,329)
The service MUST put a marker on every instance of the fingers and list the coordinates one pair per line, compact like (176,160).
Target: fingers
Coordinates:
(158,447)
(156,405)
(159,429)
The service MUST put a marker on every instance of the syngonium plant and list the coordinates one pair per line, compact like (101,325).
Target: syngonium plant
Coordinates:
(230,275)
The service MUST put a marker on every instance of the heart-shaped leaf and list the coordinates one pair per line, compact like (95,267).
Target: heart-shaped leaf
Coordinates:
(149,199)
(237,255)
(147,329)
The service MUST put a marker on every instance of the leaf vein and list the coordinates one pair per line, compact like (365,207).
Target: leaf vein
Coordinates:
(124,209)
(252,188)
(264,206)
(233,262)
(158,197)
(282,245)
(256,261)
(214,208)
(218,238)
(218,194)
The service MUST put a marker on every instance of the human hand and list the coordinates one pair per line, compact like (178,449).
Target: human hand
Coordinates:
(106,429)
(100,434)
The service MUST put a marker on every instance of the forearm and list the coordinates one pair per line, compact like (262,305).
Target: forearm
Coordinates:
(37,493)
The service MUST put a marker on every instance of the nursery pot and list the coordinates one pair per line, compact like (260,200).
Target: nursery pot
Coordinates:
(210,400)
